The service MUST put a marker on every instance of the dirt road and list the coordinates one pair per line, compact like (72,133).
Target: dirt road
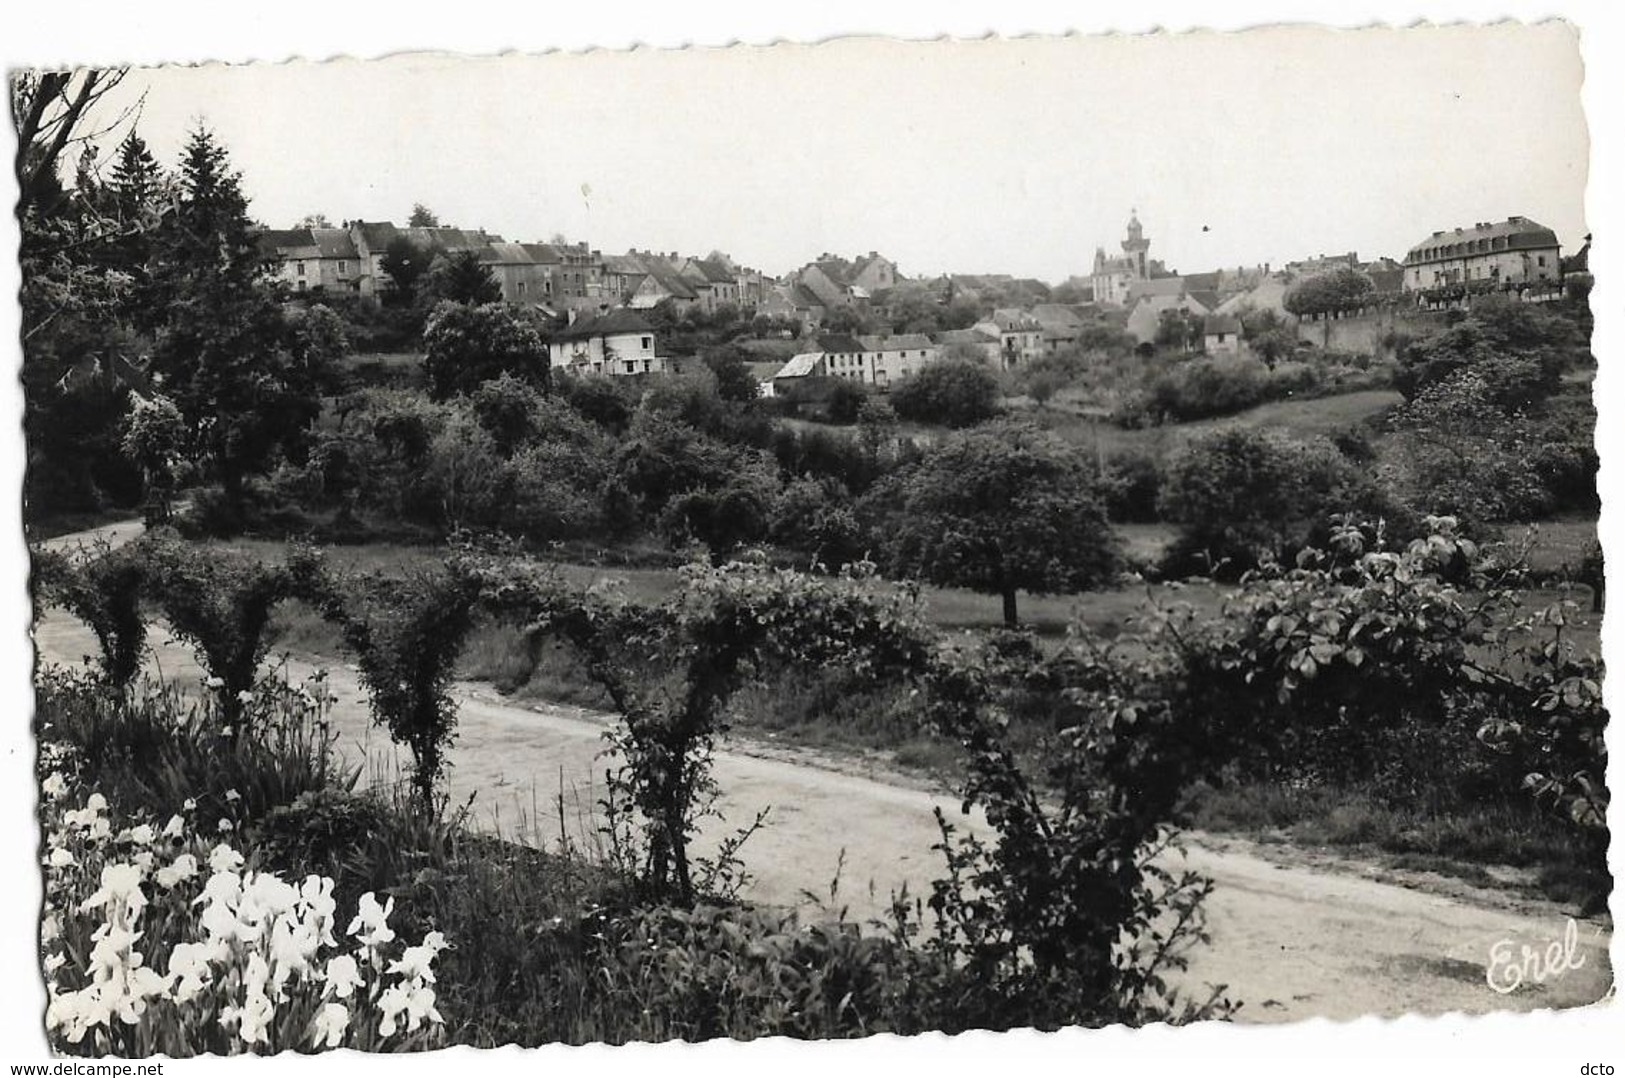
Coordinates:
(1294,936)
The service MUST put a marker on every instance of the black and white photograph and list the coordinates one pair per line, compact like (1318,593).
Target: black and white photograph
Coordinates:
(811,539)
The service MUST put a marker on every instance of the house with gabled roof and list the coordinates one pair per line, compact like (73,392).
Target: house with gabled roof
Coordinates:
(970,339)
(844,357)
(1021,338)
(661,283)
(805,377)
(897,356)
(714,284)
(1268,294)
(1059,324)
(314,259)
(621,274)
(616,343)
(1221,335)
(873,272)
(1146,316)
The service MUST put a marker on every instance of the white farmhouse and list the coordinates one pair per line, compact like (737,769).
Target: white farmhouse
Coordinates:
(893,358)
(618,342)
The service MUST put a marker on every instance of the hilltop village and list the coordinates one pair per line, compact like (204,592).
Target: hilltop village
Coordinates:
(863,319)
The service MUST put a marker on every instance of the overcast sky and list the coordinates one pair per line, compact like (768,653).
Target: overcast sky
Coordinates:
(994,156)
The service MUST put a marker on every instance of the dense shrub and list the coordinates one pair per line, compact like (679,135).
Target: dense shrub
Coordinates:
(952,392)
(599,398)
(465,346)
(1242,496)
(1132,483)
(103,587)
(817,519)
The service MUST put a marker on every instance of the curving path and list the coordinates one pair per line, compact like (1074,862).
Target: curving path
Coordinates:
(1294,935)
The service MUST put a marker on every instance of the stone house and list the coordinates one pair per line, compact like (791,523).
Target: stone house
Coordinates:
(1514,251)
(616,343)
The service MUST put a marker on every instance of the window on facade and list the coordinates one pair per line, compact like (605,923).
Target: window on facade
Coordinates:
(301,269)
(344,268)
(648,342)
(1542,260)
(631,366)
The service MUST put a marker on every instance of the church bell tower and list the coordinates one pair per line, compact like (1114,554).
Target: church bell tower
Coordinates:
(1136,245)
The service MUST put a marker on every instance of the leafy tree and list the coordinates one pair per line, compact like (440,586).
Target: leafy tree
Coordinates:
(1178,330)
(1520,351)
(83,257)
(1048,375)
(728,515)
(1242,496)
(460,278)
(404,263)
(422,217)
(221,347)
(1270,338)
(155,439)
(315,220)
(1466,456)
(735,382)
(509,410)
(599,398)
(816,517)
(845,401)
(849,320)
(465,346)
(953,392)
(997,510)
(1340,289)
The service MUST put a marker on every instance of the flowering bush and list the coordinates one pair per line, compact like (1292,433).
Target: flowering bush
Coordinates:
(154,942)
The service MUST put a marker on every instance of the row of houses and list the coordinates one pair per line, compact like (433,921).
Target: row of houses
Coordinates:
(557,276)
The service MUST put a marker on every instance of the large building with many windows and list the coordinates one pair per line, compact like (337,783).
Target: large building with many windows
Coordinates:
(1514,251)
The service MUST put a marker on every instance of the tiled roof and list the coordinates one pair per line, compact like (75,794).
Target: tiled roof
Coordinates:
(964,336)
(1056,314)
(507,254)
(619,320)
(896,342)
(802,296)
(626,265)
(1205,296)
(1161,286)
(1514,234)
(275,241)
(1220,323)
(1013,320)
(1202,282)
(840,342)
(376,234)
(672,282)
(542,253)
(836,269)
(714,272)
(334,242)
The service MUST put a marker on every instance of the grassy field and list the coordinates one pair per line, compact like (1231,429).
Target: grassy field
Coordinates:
(1313,417)
(809,709)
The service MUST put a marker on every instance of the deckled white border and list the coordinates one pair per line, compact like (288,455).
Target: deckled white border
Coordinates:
(81,31)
